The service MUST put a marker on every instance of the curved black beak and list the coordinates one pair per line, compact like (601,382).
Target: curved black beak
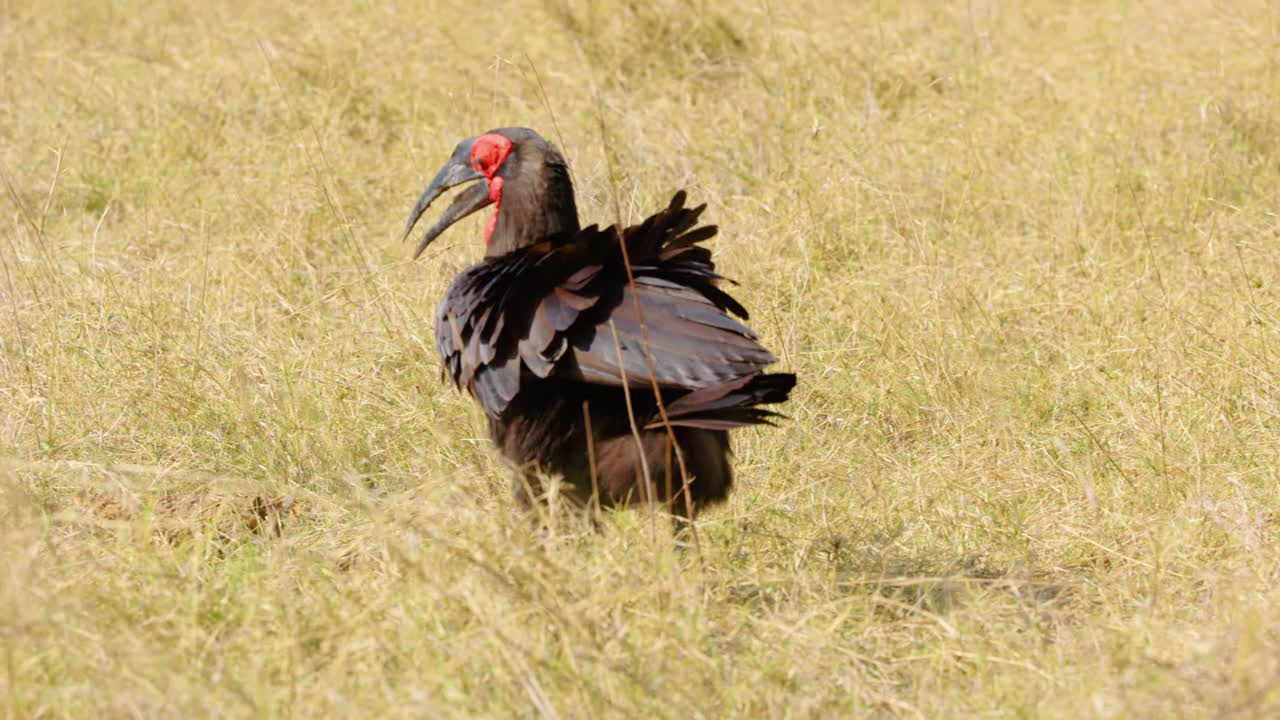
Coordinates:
(455,172)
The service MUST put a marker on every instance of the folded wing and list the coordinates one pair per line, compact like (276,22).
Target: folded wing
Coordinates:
(565,307)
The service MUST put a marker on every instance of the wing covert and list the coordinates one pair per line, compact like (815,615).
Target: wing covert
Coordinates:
(553,308)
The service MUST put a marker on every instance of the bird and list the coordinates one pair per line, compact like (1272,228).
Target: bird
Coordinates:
(610,358)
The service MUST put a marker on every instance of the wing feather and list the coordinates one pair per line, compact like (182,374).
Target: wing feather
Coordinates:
(553,309)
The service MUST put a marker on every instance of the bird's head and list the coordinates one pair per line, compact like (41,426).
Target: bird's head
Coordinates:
(525,178)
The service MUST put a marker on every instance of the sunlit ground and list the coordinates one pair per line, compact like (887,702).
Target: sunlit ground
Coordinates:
(1023,257)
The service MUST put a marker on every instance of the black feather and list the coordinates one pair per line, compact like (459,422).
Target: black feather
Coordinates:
(547,324)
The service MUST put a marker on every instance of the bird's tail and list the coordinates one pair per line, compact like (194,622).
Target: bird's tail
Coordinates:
(730,405)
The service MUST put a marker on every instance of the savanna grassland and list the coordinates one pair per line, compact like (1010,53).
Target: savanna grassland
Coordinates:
(1023,256)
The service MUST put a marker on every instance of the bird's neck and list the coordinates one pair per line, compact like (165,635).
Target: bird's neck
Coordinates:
(533,208)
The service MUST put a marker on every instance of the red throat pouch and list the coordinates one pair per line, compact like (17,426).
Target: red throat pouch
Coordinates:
(495,194)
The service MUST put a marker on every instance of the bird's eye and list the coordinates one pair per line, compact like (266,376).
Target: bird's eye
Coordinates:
(489,152)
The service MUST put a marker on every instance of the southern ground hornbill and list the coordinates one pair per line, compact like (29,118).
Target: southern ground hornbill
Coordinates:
(563,350)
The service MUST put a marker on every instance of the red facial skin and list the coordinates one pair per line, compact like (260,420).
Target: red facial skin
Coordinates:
(488,152)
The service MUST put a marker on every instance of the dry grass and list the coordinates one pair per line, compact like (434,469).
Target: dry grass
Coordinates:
(1023,257)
